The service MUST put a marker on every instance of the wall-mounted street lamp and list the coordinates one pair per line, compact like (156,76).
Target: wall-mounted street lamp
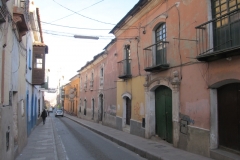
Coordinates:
(86,37)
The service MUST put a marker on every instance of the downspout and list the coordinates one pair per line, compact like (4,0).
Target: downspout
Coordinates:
(39,25)
(3,61)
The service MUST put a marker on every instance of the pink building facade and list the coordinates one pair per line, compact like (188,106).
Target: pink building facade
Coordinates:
(188,53)
(98,87)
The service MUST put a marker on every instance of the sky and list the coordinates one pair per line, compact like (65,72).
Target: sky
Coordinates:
(80,17)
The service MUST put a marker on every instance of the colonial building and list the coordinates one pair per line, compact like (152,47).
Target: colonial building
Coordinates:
(72,94)
(178,74)
(22,55)
(98,87)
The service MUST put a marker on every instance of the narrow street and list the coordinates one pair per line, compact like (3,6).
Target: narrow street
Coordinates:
(81,143)
(72,138)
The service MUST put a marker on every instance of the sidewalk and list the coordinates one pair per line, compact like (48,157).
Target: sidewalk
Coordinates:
(41,143)
(144,147)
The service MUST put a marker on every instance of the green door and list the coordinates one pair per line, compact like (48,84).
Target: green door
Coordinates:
(163,110)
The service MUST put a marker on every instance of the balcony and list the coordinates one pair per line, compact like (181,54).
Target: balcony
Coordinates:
(219,38)
(155,59)
(20,22)
(85,86)
(91,85)
(124,69)
(101,81)
(38,71)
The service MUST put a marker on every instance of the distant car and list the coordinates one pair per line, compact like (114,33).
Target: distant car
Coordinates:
(50,109)
(59,113)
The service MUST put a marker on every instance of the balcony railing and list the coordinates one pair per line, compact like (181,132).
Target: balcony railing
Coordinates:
(91,85)
(124,69)
(219,37)
(85,86)
(156,57)
(101,81)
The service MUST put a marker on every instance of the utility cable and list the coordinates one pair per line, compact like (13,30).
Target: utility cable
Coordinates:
(77,11)
(73,27)
(83,15)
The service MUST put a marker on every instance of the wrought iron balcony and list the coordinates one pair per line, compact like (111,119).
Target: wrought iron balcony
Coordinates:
(124,69)
(101,81)
(91,85)
(85,86)
(155,59)
(219,37)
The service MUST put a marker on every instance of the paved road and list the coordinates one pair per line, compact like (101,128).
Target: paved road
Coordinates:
(79,143)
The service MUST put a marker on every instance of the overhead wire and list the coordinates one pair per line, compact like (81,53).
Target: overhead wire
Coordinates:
(73,27)
(83,28)
(83,15)
(69,34)
(77,11)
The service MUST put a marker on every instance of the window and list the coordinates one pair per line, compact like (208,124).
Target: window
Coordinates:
(81,83)
(38,61)
(226,27)
(127,52)
(29,59)
(101,76)
(160,35)
(91,81)
(76,90)
(126,63)
(85,107)
(80,105)
(85,85)
(101,72)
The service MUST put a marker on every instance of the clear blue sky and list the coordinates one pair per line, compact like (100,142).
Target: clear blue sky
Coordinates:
(67,54)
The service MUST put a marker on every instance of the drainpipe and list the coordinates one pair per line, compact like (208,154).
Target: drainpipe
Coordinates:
(3,61)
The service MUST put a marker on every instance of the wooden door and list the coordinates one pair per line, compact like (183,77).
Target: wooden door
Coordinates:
(128,111)
(101,108)
(229,116)
(93,108)
(163,110)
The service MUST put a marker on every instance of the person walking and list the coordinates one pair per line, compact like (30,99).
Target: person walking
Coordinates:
(44,115)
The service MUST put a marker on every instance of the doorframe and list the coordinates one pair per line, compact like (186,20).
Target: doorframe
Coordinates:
(93,107)
(100,108)
(150,88)
(214,138)
(125,107)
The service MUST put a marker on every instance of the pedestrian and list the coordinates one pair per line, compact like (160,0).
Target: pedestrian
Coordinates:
(48,113)
(44,115)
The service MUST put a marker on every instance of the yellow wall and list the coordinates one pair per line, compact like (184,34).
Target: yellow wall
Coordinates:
(67,102)
(135,88)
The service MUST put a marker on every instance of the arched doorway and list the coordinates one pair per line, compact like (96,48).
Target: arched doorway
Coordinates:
(101,107)
(163,113)
(229,116)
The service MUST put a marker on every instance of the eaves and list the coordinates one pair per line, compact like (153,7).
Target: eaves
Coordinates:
(139,10)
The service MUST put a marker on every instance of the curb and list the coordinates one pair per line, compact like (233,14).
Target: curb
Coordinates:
(132,148)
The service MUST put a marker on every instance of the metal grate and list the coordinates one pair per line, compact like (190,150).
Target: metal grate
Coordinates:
(124,68)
